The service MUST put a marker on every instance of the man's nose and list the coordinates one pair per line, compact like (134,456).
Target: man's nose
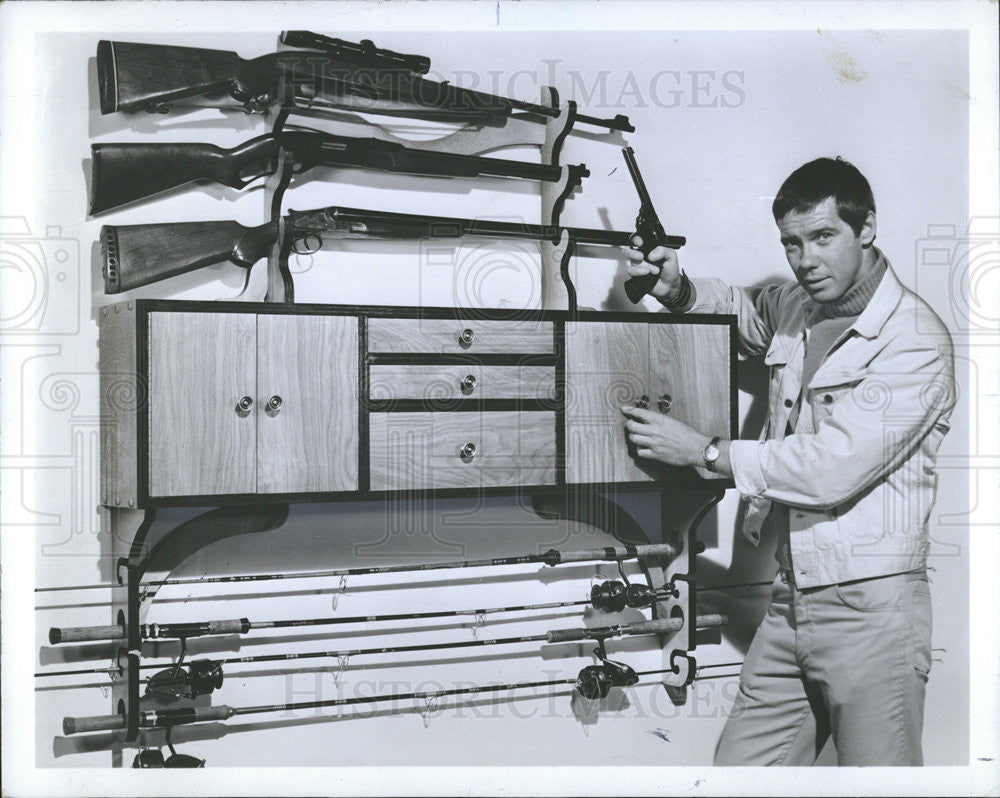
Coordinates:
(809,258)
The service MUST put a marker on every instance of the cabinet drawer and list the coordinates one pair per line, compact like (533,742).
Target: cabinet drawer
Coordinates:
(447,382)
(428,450)
(457,336)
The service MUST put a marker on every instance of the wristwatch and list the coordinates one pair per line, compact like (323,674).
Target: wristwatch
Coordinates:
(710,454)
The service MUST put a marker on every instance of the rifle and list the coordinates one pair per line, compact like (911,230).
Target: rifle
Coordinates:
(648,227)
(329,73)
(123,173)
(135,255)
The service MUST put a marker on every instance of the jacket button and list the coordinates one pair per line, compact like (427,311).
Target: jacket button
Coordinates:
(788,403)
(827,399)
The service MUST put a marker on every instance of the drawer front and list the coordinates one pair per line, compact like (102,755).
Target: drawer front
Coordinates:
(428,450)
(457,336)
(449,382)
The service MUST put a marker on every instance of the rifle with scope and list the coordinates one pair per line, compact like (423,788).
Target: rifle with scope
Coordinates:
(326,73)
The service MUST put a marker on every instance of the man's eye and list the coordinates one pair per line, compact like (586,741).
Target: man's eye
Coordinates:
(823,238)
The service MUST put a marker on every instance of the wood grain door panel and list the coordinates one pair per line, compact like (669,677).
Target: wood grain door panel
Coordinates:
(690,364)
(310,442)
(606,367)
(200,365)
(424,450)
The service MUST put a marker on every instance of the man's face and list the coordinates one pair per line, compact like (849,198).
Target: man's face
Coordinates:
(825,255)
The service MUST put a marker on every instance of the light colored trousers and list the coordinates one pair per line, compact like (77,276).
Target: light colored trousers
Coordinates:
(849,660)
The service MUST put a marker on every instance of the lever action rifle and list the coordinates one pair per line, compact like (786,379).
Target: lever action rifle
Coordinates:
(123,173)
(327,73)
(135,255)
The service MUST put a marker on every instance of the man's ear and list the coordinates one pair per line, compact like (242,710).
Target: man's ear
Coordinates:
(868,229)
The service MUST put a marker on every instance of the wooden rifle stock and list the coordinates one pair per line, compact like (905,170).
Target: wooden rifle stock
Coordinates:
(132,77)
(135,255)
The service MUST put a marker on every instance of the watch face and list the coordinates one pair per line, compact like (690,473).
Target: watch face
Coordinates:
(711,453)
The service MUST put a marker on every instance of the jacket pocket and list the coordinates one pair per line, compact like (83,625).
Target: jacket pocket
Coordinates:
(823,398)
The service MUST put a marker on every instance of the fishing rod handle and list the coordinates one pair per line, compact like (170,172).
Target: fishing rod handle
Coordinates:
(620,553)
(80,634)
(92,723)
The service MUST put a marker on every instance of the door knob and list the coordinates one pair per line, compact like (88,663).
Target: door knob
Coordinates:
(467,452)
(642,402)
(244,405)
(665,402)
(469,384)
(274,404)
(467,337)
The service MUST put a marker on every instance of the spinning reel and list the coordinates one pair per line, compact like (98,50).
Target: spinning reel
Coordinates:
(596,681)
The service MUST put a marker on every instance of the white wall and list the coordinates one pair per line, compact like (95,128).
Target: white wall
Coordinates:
(721,119)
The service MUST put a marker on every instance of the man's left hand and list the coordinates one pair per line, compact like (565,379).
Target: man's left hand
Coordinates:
(667,440)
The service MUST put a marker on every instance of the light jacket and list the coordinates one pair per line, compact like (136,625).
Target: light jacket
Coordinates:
(861,486)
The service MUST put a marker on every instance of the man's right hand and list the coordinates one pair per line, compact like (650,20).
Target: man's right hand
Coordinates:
(662,260)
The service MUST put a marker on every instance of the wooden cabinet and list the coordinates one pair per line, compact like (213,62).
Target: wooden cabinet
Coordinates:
(209,403)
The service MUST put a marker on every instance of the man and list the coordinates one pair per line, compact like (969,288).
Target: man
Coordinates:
(861,388)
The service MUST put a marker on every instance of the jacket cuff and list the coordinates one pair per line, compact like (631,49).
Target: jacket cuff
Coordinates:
(744,458)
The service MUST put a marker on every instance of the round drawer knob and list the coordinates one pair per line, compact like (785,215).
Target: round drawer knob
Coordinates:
(468,451)
(467,337)
(274,404)
(469,384)
(642,402)
(244,404)
(664,403)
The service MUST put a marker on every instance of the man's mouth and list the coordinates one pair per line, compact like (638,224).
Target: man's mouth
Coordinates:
(814,282)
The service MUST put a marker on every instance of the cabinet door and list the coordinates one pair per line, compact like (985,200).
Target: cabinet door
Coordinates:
(606,367)
(307,403)
(200,440)
(690,364)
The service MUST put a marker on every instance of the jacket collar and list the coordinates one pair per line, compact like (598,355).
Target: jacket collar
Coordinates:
(883,302)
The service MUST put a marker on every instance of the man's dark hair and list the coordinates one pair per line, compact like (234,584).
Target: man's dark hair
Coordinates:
(812,183)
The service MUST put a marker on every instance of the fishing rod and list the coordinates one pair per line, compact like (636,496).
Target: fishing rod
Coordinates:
(609,596)
(593,681)
(550,557)
(204,676)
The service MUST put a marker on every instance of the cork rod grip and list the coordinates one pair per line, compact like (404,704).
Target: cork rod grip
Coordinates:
(620,553)
(92,723)
(80,634)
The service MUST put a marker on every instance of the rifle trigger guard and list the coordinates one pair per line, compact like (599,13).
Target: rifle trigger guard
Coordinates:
(305,245)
